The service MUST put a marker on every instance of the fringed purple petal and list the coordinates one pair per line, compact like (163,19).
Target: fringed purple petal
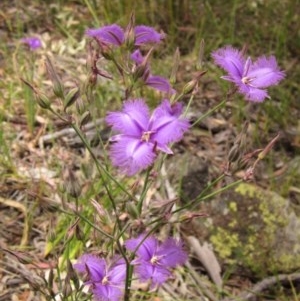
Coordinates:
(107,292)
(159,83)
(92,265)
(147,271)
(172,253)
(132,120)
(110,34)
(117,272)
(145,34)
(146,249)
(132,155)
(265,72)
(253,94)
(137,57)
(231,60)
(167,124)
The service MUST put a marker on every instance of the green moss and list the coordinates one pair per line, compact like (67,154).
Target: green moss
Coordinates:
(224,242)
(251,234)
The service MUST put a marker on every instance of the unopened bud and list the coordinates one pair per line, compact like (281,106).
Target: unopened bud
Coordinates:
(71,97)
(85,118)
(176,61)
(67,288)
(192,85)
(200,55)
(21,256)
(58,87)
(234,153)
(132,211)
(100,210)
(129,32)
(80,105)
(42,100)
(142,70)
(72,274)
(78,233)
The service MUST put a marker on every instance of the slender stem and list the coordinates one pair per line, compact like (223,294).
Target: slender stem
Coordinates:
(209,112)
(222,189)
(144,191)
(189,104)
(93,225)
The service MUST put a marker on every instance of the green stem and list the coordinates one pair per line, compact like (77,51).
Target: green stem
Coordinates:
(209,112)
(189,104)
(144,191)
(221,190)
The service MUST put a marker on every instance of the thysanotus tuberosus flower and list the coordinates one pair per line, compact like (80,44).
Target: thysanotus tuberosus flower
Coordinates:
(251,78)
(141,135)
(32,42)
(106,280)
(154,260)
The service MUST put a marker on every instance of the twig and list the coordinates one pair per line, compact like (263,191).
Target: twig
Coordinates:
(263,285)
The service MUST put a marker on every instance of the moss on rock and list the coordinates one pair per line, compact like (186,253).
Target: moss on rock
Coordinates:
(257,229)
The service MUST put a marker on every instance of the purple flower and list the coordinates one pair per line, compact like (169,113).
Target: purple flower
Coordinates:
(145,34)
(110,34)
(106,281)
(252,79)
(154,81)
(140,134)
(115,35)
(155,260)
(33,42)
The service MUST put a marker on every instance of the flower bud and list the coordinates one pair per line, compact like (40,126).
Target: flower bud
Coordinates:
(192,85)
(80,106)
(129,32)
(71,97)
(200,55)
(42,100)
(85,118)
(176,61)
(58,87)
(132,210)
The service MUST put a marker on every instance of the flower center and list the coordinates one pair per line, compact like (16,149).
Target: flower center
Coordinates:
(154,260)
(146,136)
(247,81)
(105,280)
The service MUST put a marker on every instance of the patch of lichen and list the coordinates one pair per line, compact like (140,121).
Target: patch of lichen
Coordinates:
(249,233)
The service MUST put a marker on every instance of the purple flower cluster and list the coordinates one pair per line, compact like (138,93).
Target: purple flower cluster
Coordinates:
(141,135)
(32,42)
(251,78)
(154,262)
(115,35)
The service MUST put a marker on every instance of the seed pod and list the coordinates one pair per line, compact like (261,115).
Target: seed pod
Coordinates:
(71,97)
(85,118)
(176,61)
(58,87)
(42,100)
